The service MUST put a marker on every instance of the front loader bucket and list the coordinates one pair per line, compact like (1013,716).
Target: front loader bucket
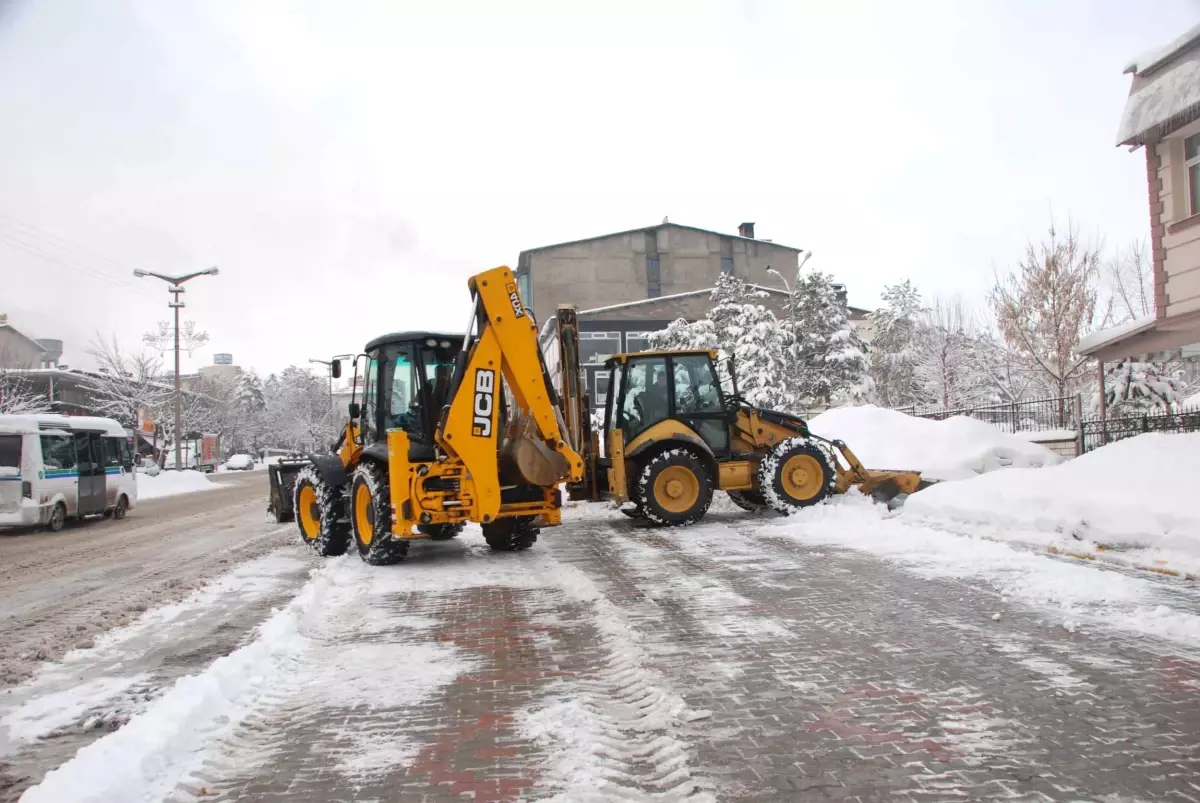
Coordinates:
(893,490)
(283,484)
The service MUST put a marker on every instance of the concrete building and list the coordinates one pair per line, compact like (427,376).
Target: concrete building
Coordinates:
(663,260)
(631,283)
(1162,117)
(222,368)
(18,350)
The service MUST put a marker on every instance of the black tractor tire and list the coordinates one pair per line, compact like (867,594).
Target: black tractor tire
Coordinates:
(441,532)
(371,517)
(320,514)
(510,535)
(58,518)
(797,473)
(674,488)
(748,500)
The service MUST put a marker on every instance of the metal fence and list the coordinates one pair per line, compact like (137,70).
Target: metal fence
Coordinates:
(1035,415)
(1095,433)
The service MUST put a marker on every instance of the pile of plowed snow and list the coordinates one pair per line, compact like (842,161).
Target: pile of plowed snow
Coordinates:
(171,483)
(953,449)
(1138,493)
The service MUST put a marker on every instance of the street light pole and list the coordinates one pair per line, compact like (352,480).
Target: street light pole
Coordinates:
(175,287)
(329,365)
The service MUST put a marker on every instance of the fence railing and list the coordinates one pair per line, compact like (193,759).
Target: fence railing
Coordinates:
(1062,417)
(1035,415)
(1095,433)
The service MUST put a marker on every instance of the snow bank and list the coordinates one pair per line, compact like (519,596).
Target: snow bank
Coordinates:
(1137,493)
(171,483)
(956,448)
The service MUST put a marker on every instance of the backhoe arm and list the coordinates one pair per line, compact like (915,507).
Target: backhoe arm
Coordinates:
(505,346)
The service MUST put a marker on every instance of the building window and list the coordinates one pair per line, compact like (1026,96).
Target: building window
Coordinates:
(636,341)
(1191,156)
(727,265)
(596,347)
(653,278)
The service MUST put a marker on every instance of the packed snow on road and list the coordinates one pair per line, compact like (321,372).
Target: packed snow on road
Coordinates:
(929,648)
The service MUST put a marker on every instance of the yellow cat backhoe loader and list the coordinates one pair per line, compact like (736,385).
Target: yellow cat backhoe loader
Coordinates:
(451,429)
(672,435)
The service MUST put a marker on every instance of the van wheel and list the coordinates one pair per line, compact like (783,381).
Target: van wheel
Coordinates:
(122,508)
(58,518)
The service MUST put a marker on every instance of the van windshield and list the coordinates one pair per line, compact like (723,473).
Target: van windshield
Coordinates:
(10,451)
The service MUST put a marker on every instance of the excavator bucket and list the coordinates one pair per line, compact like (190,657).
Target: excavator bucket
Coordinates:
(526,458)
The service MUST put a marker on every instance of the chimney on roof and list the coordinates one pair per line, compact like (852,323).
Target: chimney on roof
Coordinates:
(746,230)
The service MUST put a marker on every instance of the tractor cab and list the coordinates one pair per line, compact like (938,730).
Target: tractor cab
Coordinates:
(407,378)
(649,389)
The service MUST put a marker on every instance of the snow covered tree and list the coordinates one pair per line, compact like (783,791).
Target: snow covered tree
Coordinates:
(17,394)
(828,358)
(1133,387)
(1007,377)
(125,383)
(747,331)
(297,414)
(896,346)
(948,367)
(1048,303)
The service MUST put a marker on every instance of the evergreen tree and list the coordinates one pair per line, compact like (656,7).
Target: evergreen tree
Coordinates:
(828,358)
(1133,387)
(896,346)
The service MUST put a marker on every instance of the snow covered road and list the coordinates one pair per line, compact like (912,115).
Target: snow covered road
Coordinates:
(843,653)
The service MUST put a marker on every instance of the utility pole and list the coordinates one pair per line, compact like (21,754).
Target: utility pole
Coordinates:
(175,287)
(329,365)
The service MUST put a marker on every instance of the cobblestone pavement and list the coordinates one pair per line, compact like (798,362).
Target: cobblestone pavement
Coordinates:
(724,662)
(615,662)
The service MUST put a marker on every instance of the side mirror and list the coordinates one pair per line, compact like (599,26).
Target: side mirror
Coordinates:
(355,410)
(335,369)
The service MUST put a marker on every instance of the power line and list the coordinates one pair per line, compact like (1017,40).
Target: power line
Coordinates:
(56,259)
(37,233)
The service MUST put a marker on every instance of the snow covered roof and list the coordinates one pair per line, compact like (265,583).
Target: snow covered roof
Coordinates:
(1102,337)
(660,225)
(1165,91)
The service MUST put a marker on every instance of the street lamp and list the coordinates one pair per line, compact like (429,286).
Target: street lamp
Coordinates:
(175,287)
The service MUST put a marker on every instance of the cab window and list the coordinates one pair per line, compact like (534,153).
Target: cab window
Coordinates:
(695,385)
(369,422)
(647,398)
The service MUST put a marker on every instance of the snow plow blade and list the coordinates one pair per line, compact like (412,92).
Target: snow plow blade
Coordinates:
(283,484)
(887,487)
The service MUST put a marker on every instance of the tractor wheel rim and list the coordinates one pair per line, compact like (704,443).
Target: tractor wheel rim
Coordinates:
(676,489)
(802,477)
(310,524)
(362,515)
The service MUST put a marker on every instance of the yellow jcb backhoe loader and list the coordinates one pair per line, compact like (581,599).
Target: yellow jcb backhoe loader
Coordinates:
(451,429)
(672,435)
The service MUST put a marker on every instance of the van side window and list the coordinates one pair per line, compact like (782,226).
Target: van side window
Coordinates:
(112,452)
(126,455)
(58,451)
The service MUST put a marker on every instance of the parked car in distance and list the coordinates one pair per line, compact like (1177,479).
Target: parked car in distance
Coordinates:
(240,462)
(147,466)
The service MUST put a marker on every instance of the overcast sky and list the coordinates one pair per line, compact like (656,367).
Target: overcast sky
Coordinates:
(347,165)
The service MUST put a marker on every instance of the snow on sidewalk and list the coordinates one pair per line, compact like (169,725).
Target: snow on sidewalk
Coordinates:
(172,483)
(956,448)
(1072,592)
(1137,495)
(347,623)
